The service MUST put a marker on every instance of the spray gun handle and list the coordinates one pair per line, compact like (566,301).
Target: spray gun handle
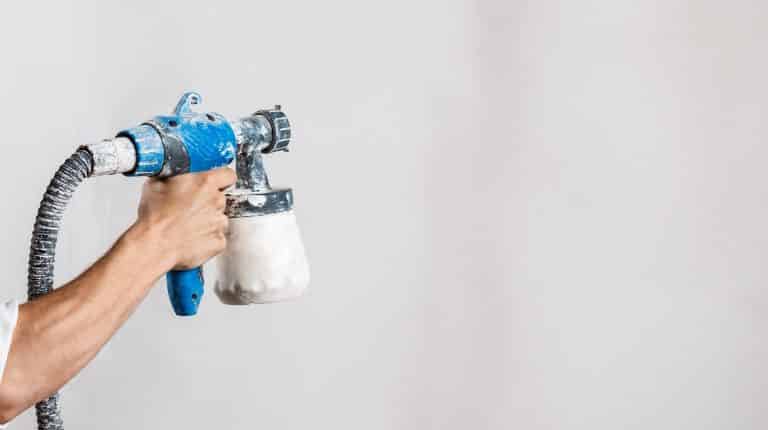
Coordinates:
(185,289)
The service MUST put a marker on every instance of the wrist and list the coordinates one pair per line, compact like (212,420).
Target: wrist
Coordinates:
(149,240)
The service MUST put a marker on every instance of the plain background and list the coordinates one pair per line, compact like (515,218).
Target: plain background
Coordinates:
(534,215)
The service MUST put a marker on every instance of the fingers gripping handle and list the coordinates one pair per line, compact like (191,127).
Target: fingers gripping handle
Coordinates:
(185,289)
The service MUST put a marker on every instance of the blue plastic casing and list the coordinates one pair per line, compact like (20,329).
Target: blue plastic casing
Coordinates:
(150,152)
(183,142)
(185,289)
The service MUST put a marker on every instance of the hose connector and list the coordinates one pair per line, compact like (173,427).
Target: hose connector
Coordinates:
(112,156)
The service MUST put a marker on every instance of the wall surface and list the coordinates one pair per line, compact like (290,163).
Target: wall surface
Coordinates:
(534,215)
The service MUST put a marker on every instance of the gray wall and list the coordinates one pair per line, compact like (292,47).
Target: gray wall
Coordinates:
(535,215)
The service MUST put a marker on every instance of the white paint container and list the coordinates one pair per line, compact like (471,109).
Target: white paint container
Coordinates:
(264,261)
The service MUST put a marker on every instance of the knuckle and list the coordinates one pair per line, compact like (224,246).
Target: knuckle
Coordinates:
(231,176)
(221,243)
(224,171)
(223,222)
(226,176)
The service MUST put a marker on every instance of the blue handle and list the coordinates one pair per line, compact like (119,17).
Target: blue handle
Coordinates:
(185,289)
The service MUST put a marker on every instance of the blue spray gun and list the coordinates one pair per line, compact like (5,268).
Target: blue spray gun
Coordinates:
(264,260)
(187,142)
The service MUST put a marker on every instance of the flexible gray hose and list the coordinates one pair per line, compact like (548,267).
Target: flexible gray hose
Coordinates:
(42,253)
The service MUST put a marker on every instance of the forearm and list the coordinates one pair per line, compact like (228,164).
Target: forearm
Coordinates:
(58,334)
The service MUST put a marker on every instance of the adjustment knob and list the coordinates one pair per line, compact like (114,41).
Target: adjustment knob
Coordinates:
(281,129)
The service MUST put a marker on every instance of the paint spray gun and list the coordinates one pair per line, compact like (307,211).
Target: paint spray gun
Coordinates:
(264,260)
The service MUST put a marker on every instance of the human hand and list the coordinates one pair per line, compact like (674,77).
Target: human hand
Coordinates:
(184,216)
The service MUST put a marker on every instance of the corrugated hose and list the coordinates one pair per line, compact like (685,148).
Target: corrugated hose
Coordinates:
(42,253)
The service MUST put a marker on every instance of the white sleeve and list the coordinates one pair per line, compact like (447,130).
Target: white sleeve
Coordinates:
(9,312)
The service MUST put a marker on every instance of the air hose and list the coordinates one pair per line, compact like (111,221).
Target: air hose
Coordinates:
(42,253)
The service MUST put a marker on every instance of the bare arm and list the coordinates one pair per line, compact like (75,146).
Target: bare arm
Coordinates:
(180,225)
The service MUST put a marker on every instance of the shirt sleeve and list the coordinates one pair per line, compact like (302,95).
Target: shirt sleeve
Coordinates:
(9,312)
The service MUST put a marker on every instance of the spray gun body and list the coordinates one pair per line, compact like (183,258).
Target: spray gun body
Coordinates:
(187,142)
